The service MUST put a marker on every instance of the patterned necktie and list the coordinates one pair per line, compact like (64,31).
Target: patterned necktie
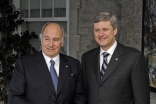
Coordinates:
(53,75)
(104,64)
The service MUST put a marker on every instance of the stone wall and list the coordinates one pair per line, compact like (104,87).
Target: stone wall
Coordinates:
(128,12)
(74,38)
(130,23)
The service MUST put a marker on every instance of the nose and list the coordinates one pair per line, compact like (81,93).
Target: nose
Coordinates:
(101,33)
(51,43)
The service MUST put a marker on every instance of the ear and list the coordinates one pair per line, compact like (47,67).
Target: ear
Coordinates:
(41,38)
(62,44)
(115,31)
(41,41)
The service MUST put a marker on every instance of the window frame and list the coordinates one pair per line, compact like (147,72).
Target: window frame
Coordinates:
(40,19)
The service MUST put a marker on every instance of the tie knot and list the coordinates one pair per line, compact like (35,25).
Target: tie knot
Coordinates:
(52,62)
(105,54)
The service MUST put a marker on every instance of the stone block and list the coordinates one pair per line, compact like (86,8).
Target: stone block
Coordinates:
(74,42)
(74,4)
(83,31)
(73,54)
(73,22)
(85,24)
(85,43)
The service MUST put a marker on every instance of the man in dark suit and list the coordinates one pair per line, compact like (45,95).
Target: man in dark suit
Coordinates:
(33,82)
(113,73)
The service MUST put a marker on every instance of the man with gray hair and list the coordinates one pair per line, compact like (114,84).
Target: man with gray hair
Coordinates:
(113,73)
(47,77)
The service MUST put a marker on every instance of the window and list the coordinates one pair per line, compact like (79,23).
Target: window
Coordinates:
(39,12)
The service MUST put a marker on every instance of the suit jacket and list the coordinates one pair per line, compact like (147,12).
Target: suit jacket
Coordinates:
(32,84)
(125,80)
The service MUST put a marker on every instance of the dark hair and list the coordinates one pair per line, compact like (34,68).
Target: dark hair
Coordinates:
(106,16)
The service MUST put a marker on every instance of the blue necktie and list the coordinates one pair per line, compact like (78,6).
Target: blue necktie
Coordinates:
(53,75)
(104,64)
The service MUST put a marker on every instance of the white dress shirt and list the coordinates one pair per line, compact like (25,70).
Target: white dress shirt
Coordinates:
(56,59)
(110,51)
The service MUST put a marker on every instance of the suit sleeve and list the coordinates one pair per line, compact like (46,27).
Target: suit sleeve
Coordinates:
(80,96)
(17,85)
(83,75)
(140,81)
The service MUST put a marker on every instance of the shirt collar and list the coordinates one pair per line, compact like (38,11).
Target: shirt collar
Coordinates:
(110,50)
(55,59)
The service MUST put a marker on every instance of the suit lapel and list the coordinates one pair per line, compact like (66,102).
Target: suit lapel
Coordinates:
(95,62)
(115,60)
(43,69)
(64,72)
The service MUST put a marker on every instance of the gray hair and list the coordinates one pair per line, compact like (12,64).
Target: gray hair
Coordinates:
(106,16)
(44,26)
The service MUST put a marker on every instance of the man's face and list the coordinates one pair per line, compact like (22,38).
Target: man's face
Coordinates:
(104,34)
(52,40)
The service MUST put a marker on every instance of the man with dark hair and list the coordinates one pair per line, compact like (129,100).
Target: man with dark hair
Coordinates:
(113,73)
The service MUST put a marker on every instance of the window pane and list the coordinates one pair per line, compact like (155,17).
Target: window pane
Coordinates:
(34,8)
(36,27)
(24,8)
(47,8)
(60,8)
